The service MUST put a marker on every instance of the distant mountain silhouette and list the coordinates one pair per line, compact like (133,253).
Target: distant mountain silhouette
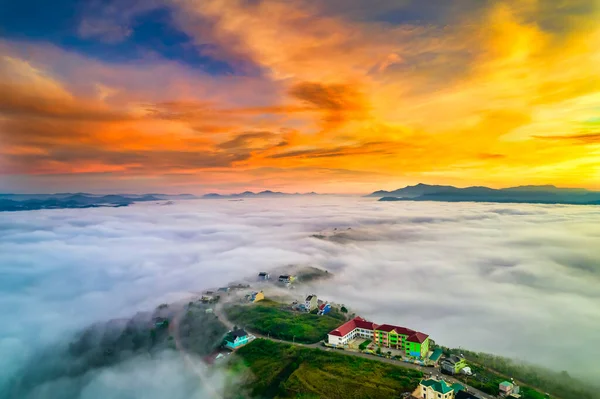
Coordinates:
(546,194)
(250,194)
(29,202)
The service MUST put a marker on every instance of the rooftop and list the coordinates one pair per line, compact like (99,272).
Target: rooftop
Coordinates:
(232,335)
(359,322)
(349,326)
(435,356)
(439,386)
(506,384)
(308,298)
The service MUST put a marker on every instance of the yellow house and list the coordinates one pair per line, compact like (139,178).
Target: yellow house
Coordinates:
(258,296)
(436,389)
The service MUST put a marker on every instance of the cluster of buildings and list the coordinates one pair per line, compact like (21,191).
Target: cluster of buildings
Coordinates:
(412,343)
(312,303)
(285,279)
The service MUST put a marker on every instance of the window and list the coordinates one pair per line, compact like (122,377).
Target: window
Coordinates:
(439,395)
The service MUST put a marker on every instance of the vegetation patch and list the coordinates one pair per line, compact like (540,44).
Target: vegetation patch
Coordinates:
(490,370)
(365,344)
(287,371)
(272,318)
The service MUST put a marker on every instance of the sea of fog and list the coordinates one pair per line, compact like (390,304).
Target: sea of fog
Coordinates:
(512,279)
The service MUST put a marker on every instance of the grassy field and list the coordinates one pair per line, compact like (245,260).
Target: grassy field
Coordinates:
(286,371)
(268,317)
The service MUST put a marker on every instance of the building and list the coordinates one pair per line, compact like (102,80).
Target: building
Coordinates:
(507,388)
(286,278)
(434,358)
(263,276)
(208,296)
(310,303)
(236,338)
(223,289)
(255,296)
(453,364)
(437,389)
(413,343)
(324,308)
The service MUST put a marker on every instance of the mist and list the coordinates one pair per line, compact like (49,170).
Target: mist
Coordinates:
(515,280)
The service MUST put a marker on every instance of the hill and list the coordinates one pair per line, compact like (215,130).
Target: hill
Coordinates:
(286,371)
(522,194)
(30,202)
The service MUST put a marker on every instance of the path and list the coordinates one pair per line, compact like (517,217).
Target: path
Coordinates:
(218,311)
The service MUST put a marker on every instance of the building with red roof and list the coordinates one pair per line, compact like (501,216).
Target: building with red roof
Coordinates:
(413,343)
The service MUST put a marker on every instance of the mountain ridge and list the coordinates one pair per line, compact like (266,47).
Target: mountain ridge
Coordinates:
(520,194)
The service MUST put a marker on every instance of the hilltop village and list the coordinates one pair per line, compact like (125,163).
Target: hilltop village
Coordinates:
(250,308)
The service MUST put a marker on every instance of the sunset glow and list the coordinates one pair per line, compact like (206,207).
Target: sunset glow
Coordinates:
(334,96)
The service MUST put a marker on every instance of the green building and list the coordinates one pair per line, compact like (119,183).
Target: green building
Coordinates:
(413,343)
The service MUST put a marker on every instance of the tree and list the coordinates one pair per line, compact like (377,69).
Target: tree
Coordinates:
(343,309)
(378,351)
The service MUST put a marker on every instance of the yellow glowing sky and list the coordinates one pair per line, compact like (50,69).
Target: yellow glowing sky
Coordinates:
(339,96)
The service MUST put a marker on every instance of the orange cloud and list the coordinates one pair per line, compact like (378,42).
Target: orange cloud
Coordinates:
(499,96)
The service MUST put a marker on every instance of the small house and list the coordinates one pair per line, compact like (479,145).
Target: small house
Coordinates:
(286,279)
(508,388)
(208,296)
(310,302)
(258,296)
(435,356)
(223,289)
(236,338)
(263,276)
(432,388)
(324,309)
(255,296)
(453,364)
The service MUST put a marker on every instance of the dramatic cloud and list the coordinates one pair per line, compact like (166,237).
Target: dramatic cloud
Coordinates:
(442,85)
(517,280)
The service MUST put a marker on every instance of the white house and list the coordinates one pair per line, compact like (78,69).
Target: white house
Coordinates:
(311,302)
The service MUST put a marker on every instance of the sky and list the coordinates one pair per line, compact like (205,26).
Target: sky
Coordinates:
(339,96)
(519,280)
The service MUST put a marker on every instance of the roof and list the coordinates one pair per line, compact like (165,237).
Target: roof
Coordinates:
(386,327)
(413,336)
(350,325)
(435,356)
(232,335)
(263,273)
(457,387)
(367,325)
(308,298)
(465,395)
(453,359)
(284,276)
(506,384)
(438,386)
(223,289)
(417,337)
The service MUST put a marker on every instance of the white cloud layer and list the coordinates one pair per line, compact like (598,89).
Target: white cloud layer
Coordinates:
(518,280)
